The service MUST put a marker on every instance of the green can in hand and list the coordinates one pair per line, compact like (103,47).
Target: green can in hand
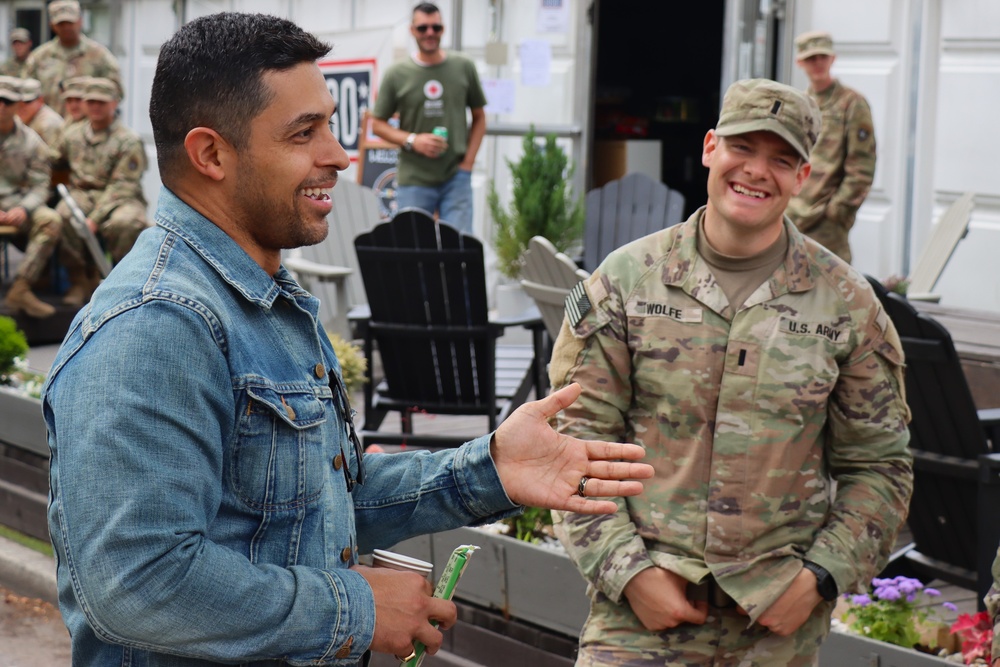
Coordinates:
(440,131)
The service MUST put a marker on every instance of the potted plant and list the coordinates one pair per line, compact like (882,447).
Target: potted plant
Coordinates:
(22,423)
(890,622)
(542,204)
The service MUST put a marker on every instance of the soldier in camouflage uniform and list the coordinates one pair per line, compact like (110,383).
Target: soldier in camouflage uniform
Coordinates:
(756,368)
(843,160)
(70,53)
(71,93)
(20,46)
(106,162)
(24,187)
(993,607)
(38,115)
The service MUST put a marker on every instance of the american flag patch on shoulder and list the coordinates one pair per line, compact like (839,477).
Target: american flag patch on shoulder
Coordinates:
(577,304)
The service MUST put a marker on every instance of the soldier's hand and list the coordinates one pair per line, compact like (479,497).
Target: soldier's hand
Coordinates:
(542,468)
(791,610)
(659,598)
(404,609)
(16,217)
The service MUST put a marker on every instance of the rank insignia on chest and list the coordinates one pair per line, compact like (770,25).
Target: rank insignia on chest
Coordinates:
(577,304)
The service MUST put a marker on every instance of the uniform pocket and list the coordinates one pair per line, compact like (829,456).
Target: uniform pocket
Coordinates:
(277,459)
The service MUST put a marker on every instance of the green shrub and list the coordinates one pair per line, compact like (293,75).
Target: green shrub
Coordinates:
(13,344)
(543,204)
(352,362)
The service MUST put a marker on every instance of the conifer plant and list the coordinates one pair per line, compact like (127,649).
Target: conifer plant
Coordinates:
(542,205)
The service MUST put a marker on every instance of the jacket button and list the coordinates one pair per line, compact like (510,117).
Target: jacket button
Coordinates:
(345,650)
(338,461)
(320,371)
(345,554)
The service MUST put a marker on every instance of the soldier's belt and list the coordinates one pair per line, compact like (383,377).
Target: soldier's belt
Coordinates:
(709,590)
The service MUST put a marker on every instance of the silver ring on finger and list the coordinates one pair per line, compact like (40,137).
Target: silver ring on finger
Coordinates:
(413,654)
(581,488)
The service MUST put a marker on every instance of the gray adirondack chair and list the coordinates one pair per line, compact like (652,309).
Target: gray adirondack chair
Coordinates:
(625,210)
(330,269)
(949,230)
(547,277)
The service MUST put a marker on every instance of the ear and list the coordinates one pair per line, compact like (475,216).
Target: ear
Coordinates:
(800,177)
(708,148)
(208,152)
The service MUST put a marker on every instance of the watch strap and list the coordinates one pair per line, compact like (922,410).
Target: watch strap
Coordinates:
(826,586)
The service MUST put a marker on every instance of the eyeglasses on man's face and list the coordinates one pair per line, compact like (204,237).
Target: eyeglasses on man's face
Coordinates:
(5,102)
(424,27)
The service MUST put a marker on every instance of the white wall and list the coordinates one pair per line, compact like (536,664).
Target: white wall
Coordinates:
(930,69)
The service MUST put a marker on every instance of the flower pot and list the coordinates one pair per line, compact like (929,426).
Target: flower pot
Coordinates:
(21,422)
(842,648)
(522,580)
(512,300)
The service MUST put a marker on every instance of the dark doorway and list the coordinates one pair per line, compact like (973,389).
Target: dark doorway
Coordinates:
(657,78)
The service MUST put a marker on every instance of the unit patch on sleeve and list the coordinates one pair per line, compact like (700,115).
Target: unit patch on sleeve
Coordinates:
(577,304)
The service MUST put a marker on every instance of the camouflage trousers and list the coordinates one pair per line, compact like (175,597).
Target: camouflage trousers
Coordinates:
(118,232)
(37,238)
(614,637)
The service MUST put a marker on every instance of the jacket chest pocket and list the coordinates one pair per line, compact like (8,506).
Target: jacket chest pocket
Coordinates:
(278,461)
(800,363)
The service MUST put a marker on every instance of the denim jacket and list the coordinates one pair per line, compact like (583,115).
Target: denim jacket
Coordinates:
(199,506)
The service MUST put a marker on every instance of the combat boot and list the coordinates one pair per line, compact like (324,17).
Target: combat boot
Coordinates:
(20,297)
(80,288)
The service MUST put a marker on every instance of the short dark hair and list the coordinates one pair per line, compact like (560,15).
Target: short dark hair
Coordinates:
(426,8)
(210,74)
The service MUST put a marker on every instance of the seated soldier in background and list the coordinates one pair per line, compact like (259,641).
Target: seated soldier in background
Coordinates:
(36,114)
(24,187)
(106,162)
(72,97)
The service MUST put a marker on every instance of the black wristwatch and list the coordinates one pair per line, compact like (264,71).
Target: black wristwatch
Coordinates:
(825,585)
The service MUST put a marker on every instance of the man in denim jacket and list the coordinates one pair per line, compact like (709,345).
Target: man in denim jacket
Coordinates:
(208,503)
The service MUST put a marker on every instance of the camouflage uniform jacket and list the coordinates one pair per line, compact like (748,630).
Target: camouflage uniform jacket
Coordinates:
(25,172)
(51,63)
(11,67)
(843,162)
(47,123)
(993,606)
(112,161)
(745,416)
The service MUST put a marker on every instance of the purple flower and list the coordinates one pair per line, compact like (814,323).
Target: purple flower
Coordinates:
(933,592)
(890,593)
(908,585)
(949,606)
(861,600)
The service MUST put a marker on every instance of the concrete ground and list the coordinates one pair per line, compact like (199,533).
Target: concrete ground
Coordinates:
(32,633)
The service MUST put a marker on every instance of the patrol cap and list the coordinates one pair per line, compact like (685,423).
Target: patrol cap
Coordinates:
(64,10)
(20,35)
(73,87)
(10,88)
(31,89)
(816,43)
(101,90)
(755,105)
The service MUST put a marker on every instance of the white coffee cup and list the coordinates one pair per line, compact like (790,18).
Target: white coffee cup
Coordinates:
(394,561)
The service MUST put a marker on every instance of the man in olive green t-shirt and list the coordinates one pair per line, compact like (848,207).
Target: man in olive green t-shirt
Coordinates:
(431,90)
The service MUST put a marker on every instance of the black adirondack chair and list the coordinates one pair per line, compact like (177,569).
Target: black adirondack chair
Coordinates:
(955,510)
(625,210)
(426,289)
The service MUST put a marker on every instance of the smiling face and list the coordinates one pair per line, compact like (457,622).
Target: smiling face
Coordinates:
(280,195)
(429,40)
(751,177)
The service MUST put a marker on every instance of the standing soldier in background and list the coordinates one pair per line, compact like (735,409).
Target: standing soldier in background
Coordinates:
(70,53)
(38,115)
(20,46)
(24,188)
(106,162)
(843,161)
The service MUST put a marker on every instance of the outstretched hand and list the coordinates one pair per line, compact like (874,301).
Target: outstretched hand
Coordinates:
(542,468)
